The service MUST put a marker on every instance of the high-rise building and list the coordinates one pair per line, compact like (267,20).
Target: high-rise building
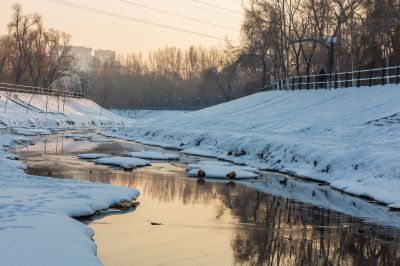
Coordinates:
(83,56)
(104,55)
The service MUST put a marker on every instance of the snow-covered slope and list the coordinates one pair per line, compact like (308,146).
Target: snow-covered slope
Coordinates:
(61,112)
(145,114)
(347,137)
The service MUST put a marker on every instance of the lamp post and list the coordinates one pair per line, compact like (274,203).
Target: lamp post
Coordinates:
(331,41)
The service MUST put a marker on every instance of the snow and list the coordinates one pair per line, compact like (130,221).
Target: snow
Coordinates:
(75,112)
(145,114)
(30,131)
(93,156)
(153,155)
(124,162)
(159,144)
(36,227)
(221,170)
(199,152)
(349,138)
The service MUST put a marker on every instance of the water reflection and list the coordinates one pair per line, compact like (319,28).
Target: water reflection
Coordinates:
(260,229)
(208,223)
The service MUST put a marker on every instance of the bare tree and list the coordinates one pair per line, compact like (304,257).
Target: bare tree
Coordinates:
(20,28)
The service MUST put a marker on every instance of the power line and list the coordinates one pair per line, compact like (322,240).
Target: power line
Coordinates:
(204,8)
(177,15)
(218,7)
(115,15)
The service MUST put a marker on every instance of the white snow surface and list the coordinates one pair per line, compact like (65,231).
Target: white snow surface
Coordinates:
(35,223)
(145,114)
(153,155)
(221,170)
(347,137)
(74,113)
(124,162)
(30,131)
(200,152)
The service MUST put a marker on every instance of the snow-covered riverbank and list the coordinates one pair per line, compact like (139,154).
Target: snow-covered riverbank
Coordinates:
(348,137)
(36,227)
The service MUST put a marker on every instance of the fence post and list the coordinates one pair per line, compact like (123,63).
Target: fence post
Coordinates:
(300,82)
(336,80)
(330,80)
(369,79)
(397,74)
(292,83)
(308,82)
(383,76)
(358,79)
(315,82)
(347,78)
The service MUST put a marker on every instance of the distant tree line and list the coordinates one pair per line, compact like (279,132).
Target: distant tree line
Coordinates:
(169,77)
(32,55)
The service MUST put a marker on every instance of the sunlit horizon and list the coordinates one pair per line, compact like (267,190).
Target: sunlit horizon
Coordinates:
(123,35)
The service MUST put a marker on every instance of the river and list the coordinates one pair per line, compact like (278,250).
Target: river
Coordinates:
(183,221)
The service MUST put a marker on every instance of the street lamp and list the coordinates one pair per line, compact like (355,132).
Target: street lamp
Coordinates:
(331,41)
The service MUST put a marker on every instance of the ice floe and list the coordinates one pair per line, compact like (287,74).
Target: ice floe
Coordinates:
(124,162)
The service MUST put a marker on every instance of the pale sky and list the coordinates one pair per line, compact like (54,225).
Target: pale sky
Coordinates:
(101,31)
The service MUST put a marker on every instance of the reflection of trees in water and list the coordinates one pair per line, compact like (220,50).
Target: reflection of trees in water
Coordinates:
(290,233)
(281,231)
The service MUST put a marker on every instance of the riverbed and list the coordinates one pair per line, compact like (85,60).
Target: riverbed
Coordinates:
(184,221)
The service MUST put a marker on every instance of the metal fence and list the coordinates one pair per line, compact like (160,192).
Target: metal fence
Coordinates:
(8,87)
(369,77)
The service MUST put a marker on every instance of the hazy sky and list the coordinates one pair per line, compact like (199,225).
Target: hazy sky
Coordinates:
(100,31)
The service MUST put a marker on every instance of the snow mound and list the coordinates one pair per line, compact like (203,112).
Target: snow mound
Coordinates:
(92,156)
(153,155)
(221,170)
(124,162)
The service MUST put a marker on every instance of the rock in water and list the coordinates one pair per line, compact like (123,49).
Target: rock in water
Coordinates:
(201,173)
(231,175)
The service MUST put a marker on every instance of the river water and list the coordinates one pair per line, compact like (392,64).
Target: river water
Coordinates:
(182,221)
